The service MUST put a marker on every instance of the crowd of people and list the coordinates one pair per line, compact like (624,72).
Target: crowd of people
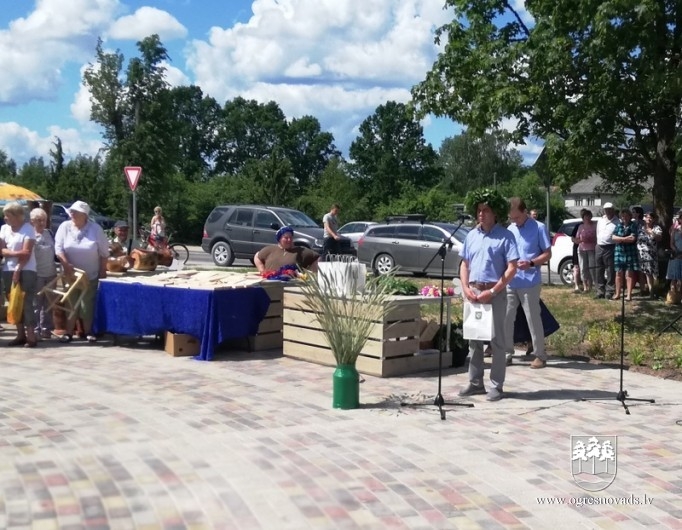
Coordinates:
(621,250)
(30,254)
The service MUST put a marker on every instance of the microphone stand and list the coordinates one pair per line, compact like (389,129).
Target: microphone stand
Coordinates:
(439,401)
(622,394)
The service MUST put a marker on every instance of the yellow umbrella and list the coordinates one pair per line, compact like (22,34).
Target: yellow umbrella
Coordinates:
(10,192)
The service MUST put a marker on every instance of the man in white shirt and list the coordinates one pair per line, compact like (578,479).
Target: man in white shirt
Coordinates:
(604,252)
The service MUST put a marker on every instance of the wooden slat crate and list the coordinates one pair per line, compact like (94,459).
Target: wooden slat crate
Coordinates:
(391,349)
(269,336)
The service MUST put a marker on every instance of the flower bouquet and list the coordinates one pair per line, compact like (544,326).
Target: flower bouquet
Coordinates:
(434,290)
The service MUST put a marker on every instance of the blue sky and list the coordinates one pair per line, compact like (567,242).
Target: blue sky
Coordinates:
(334,59)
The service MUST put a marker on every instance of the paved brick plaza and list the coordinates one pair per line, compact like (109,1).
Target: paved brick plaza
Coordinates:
(95,437)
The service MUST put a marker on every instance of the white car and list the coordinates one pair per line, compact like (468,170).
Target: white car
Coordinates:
(561,262)
(354,231)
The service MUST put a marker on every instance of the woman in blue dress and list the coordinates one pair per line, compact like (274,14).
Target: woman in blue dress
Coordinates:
(625,256)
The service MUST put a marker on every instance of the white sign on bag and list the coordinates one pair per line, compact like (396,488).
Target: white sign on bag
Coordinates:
(478,321)
(133,174)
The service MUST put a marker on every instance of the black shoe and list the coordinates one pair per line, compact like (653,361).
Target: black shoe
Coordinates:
(472,390)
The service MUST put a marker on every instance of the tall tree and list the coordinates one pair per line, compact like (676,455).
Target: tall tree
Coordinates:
(195,119)
(309,150)
(8,168)
(390,151)
(471,162)
(135,112)
(248,131)
(599,81)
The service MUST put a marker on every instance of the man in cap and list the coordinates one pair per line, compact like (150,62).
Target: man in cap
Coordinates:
(121,237)
(604,252)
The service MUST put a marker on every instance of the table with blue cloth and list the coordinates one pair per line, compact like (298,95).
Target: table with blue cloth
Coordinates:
(212,315)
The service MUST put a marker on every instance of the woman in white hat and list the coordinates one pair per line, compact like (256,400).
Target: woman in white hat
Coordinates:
(81,243)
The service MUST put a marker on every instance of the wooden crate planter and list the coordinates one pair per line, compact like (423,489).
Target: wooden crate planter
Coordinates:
(391,349)
(269,335)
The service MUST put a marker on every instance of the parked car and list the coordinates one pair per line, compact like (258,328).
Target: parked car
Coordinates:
(241,230)
(561,262)
(411,246)
(354,230)
(60,213)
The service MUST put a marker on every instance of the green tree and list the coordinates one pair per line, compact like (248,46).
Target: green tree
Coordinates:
(135,112)
(248,131)
(599,81)
(8,168)
(532,190)
(335,185)
(309,150)
(34,176)
(391,151)
(195,118)
(471,162)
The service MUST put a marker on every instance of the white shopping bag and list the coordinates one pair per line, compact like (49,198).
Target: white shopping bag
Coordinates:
(342,278)
(478,321)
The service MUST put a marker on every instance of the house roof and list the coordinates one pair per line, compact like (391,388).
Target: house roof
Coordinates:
(594,182)
(587,185)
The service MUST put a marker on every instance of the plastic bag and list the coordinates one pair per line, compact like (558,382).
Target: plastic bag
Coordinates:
(15,309)
(478,321)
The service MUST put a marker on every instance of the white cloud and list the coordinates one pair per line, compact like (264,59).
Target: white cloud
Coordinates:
(520,7)
(147,21)
(34,49)
(21,143)
(334,59)
(175,76)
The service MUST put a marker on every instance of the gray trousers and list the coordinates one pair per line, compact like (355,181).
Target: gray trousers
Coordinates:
(499,362)
(606,277)
(529,299)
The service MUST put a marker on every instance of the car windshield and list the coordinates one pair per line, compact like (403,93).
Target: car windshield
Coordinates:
(296,219)
(461,233)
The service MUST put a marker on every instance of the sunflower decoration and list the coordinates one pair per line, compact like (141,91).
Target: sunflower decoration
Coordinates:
(493,198)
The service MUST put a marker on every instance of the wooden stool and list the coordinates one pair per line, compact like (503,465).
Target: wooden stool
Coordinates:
(63,289)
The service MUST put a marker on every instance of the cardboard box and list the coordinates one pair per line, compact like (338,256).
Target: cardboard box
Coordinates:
(181,345)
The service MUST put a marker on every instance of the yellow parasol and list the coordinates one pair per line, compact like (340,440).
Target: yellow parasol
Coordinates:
(11,192)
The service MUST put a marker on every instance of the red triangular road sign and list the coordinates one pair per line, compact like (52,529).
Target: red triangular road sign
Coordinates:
(133,175)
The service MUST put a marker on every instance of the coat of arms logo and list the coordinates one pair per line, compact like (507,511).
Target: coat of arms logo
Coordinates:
(594,461)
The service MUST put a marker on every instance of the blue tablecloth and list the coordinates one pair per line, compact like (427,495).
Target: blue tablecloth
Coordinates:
(213,316)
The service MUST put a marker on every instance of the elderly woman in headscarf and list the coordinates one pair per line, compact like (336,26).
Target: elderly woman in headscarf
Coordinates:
(274,257)
(80,243)
(17,239)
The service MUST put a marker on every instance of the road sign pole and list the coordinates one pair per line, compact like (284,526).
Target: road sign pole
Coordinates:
(136,233)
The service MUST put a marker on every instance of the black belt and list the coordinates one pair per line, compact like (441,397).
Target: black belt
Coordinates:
(483,286)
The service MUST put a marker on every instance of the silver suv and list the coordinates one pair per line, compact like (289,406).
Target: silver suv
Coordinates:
(411,246)
(241,230)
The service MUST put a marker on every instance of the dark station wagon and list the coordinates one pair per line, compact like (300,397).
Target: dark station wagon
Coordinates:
(239,231)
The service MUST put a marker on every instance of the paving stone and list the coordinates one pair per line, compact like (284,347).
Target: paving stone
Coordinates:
(103,436)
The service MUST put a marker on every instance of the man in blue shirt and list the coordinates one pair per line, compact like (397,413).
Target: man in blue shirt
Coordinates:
(489,259)
(535,249)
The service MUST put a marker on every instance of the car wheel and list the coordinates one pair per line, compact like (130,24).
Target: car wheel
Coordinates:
(383,263)
(566,272)
(222,254)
